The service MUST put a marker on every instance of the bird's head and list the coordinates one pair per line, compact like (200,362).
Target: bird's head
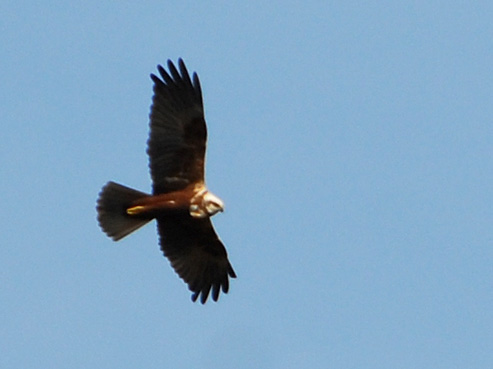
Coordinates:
(212,203)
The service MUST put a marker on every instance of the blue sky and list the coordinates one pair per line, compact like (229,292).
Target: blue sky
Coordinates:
(352,145)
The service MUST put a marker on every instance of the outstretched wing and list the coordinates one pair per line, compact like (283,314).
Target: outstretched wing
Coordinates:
(178,132)
(196,254)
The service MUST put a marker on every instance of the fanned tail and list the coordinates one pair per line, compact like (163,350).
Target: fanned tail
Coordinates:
(113,202)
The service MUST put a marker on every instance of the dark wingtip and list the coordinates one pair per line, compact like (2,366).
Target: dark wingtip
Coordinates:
(215,291)
(194,296)
(181,65)
(203,296)
(155,78)
(174,72)
(161,69)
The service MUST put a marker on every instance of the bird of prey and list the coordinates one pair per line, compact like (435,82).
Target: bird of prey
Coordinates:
(180,201)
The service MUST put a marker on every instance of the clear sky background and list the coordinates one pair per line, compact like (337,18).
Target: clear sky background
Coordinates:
(351,141)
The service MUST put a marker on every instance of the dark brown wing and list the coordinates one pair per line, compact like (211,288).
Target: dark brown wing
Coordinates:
(177,140)
(196,254)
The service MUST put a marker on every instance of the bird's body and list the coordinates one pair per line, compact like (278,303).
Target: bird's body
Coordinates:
(191,199)
(180,201)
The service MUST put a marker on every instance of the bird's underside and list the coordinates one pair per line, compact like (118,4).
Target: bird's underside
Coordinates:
(180,201)
(167,203)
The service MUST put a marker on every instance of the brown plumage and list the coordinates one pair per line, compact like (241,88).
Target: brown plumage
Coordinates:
(180,201)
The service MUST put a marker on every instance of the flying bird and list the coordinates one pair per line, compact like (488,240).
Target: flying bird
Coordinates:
(180,201)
